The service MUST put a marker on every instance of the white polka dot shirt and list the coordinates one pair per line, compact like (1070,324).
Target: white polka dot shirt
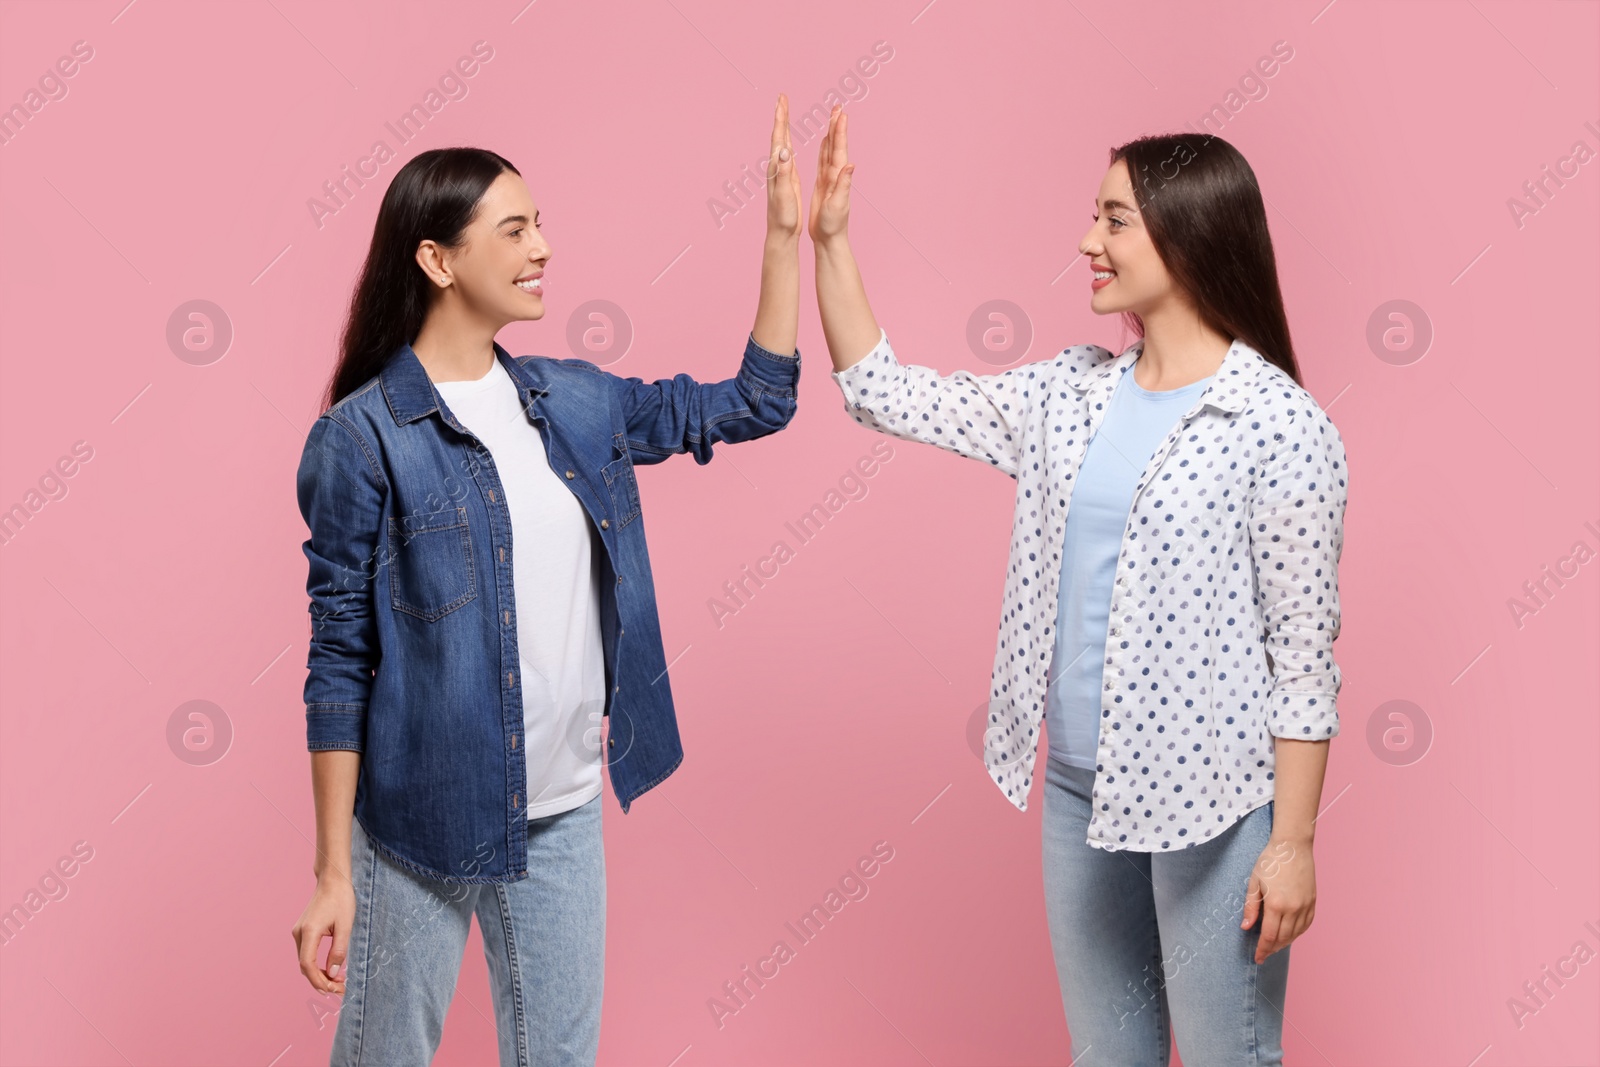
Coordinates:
(1226,602)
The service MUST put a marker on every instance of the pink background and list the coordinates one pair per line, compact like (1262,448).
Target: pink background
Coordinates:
(836,707)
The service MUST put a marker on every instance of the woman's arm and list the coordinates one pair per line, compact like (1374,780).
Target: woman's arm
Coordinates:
(1296,539)
(678,414)
(977,416)
(778,308)
(341,493)
(847,321)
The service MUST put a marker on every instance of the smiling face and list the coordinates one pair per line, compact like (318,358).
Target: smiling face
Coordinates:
(497,272)
(1119,243)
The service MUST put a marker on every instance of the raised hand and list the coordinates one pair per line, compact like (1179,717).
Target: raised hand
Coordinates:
(783,180)
(830,200)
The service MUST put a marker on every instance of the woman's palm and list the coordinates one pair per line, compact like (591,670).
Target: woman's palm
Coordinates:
(830,200)
(783,180)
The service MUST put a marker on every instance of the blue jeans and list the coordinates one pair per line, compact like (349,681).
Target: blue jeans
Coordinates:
(544,938)
(1144,942)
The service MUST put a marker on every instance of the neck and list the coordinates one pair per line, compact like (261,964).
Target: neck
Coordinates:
(1179,349)
(454,344)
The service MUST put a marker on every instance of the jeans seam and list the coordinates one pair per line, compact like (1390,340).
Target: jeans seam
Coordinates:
(514,974)
(1250,1015)
(1163,1027)
(366,954)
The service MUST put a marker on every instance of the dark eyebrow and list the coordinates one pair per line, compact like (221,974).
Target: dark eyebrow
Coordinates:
(1113,205)
(515,218)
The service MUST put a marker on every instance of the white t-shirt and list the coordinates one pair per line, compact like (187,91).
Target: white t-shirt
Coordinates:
(556,580)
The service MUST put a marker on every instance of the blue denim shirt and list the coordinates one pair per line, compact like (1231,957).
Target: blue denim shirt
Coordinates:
(413,659)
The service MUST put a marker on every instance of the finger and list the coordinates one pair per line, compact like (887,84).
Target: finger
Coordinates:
(340,951)
(822,156)
(783,123)
(1271,933)
(307,941)
(775,154)
(1252,902)
(841,154)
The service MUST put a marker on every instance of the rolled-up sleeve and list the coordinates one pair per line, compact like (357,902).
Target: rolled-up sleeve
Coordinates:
(1296,539)
(674,415)
(976,416)
(341,492)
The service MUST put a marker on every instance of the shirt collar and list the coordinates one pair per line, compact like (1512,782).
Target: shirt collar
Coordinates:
(1229,388)
(411,394)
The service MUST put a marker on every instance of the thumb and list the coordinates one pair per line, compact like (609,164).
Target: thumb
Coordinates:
(841,184)
(1252,902)
(339,952)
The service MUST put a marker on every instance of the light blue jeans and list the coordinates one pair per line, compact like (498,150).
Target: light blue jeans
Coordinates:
(1149,943)
(544,938)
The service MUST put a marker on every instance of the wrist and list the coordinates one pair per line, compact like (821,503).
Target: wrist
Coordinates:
(837,244)
(1298,836)
(331,876)
(781,242)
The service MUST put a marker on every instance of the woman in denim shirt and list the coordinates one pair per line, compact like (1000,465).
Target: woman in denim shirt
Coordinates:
(453,701)
(1171,599)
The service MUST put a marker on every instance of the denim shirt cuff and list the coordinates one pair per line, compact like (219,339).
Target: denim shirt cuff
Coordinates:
(776,374)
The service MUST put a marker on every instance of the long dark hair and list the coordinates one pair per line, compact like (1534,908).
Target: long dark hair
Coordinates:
(1203,208)
(434,196)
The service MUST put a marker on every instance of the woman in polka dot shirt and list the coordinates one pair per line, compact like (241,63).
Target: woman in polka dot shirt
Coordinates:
(1171,600)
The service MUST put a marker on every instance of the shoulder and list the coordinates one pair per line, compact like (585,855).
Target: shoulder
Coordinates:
(1282,397)
(1075,359)
(565,364)
(358,401)
(1071,365)
(357,413)
(1285,417)
(576,374)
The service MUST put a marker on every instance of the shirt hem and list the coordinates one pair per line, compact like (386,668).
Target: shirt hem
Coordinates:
(567,803)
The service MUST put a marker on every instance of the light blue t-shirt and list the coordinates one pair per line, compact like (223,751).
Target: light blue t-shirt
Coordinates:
(1136,422)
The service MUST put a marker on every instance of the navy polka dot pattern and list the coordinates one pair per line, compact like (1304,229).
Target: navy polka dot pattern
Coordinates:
(1226,602)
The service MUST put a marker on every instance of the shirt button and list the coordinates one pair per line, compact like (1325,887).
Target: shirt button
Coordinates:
(612,741)
(571,475)
(619,579)
(617,689)
(605,524)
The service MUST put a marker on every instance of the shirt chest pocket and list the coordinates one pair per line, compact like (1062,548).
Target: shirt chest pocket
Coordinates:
(430,563)
(624,488)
